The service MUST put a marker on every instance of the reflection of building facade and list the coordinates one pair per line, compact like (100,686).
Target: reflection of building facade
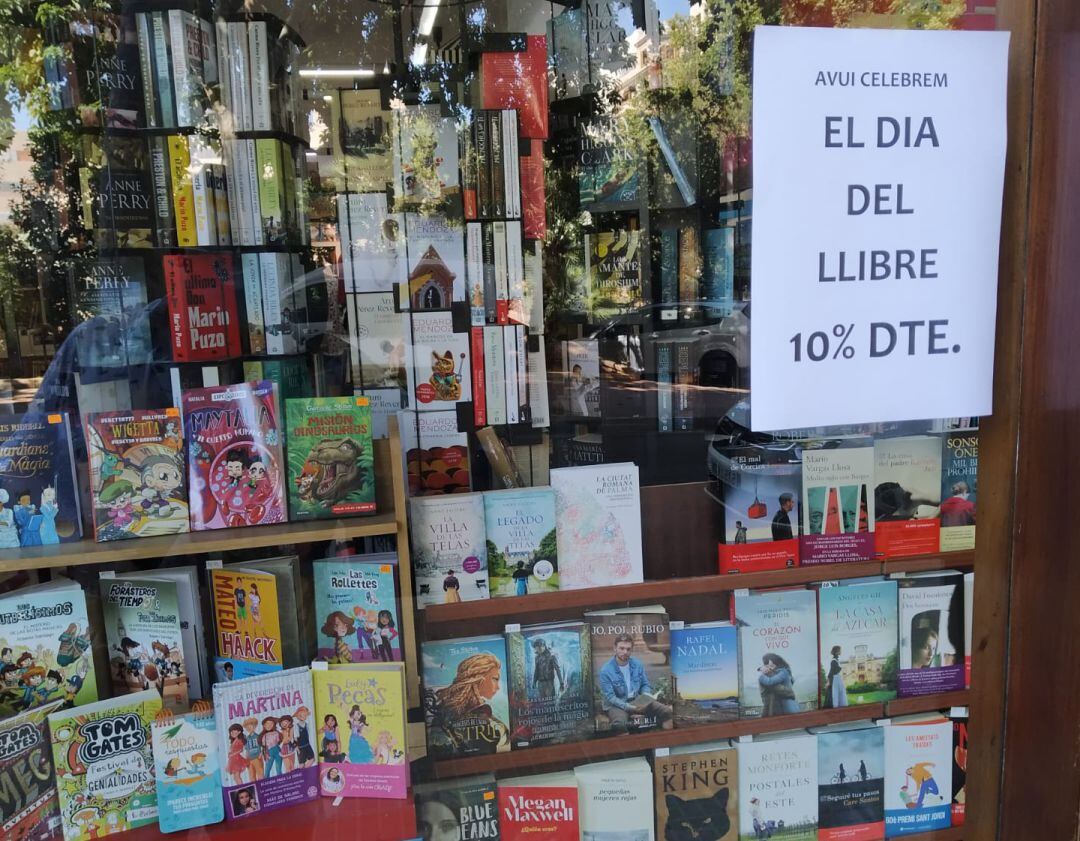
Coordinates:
(861,667)
(15,166)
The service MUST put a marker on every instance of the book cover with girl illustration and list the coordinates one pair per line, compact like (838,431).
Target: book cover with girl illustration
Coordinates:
(45,648)
(360,712)
(356,609)
(235,463)
(137,479)
(247,625)
(188,771)
(266,742)
(105,766)
(39,497)
(142,626)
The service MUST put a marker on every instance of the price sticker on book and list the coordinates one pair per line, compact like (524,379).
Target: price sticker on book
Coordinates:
(879,160)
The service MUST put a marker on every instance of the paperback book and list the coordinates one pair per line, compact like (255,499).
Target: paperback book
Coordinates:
(235,464)
(425,165)
(609,176)
(626,782)
(918,775)
(697,794)
(138,481)
(436,454)
(581,363)
(907,495)
(29,811)
(356,609)
(330,456)
(464,808)
(110,308)
(364,139)
(449,548)
(551,684)
(778,787)
(519,81)
(373,239)
(294,599)
(362,736)
(931,633)
(959,769)
(146,650)
(247,628)
(466,709)
(200,290)
(437,362)
(266,742)
(376,341)
(837,504)
(859,633)
(435,267)
(959,487)
(851,784)
(522,549)
(104,765)
(705,672)
(543,807)
(777,652)
(188,771)
(613,272)
(760,491)
(598,509)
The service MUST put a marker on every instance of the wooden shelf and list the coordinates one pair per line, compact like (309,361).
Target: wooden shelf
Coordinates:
(578,753)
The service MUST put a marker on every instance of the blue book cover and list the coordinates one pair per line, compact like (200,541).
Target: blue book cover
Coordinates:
(356,610)
(187,771)
(521,546)
(851,783)
(859,634)
(705,672)
(39,498)
(718,281)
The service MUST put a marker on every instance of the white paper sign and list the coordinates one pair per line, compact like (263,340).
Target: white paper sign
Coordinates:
(879,160)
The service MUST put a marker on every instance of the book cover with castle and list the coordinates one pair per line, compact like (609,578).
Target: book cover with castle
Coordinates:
(859,634)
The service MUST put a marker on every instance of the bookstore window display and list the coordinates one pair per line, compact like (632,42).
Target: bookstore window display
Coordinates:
(355,360)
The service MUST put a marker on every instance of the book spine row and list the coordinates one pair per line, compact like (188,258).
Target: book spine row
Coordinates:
(491,168)
(501,352)
(495,273)
(255,81)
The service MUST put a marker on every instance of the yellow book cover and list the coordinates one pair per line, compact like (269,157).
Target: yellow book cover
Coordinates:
(183,192)
(247,628)
(360,720)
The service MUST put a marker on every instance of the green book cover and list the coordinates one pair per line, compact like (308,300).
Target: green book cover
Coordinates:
(271,188)
(331,462)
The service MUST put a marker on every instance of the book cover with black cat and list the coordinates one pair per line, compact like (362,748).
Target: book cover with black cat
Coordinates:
(697,795)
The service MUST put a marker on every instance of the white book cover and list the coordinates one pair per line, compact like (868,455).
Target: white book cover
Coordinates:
(474,273)
(778,787)
(209,51)
(502,278)
(241,75)
(494,375)
(437,361)
(271,302)
(522,358)
(534,285)
(375,242)
(581,364)
(258,231)
(449,548)
(226,76)
(435,267)
(517,307)
(598,509)
(385,403)
(918,776)
(185,75)
(259,59)
(539,407)
(513,405)
(434,452)
(425,155)
(239,195)
(615,800)
(202,184)
(377,335)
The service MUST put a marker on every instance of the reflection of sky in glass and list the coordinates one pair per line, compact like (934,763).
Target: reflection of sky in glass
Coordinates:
(851,747)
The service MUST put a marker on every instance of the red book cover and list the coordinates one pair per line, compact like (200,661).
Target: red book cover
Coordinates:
(476,337)
(519,81)
(236,473)
(533,196)
(538,813)
(200,290)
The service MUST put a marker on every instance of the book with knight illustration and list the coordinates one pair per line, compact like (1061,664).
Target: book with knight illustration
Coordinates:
(137,479)
(235,463)
(355,609)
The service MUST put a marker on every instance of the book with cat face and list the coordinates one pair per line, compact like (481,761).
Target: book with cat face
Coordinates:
(851,784)
(778,787)
(697,795)
(437,362)
(539,808)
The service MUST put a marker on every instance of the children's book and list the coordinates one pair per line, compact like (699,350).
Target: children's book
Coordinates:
(137,478)
(360,713)
(331,460)
(188,771)
(858,636)
(146,648)
(266,742)
(28,811)
(522,548)
(105,765)
(247,628)
(45,648)
(235,462)
(356,609)
(705,672)
(449,548)
(294,599)
(39,497)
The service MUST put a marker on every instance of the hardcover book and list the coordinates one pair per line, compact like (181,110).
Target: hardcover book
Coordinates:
(235,464)
(146,651)
(466,710)
(907,495)
(959,487)
(110,306)
(200,290)
(931,633)
(39,497)
(425,165)
(859,633)
(266,739)
(364,139)
(247,628)
(851,783)
(697,794)
(331,460)
(705,672)
(138,481)
(613,272)
(522,550)
(449,549)
(357,596)
(436,454)
(29,812)
(105,765)
(551,685)
(837,504)
(543,807)
(464,808)
(45,639)
(778,787)
(361,708)
(760,491)
(632,686)
(918,775)
(435,268)
(627,782)
(376,341)
(437,362)
(188,771)
(598,509)
(777,652)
